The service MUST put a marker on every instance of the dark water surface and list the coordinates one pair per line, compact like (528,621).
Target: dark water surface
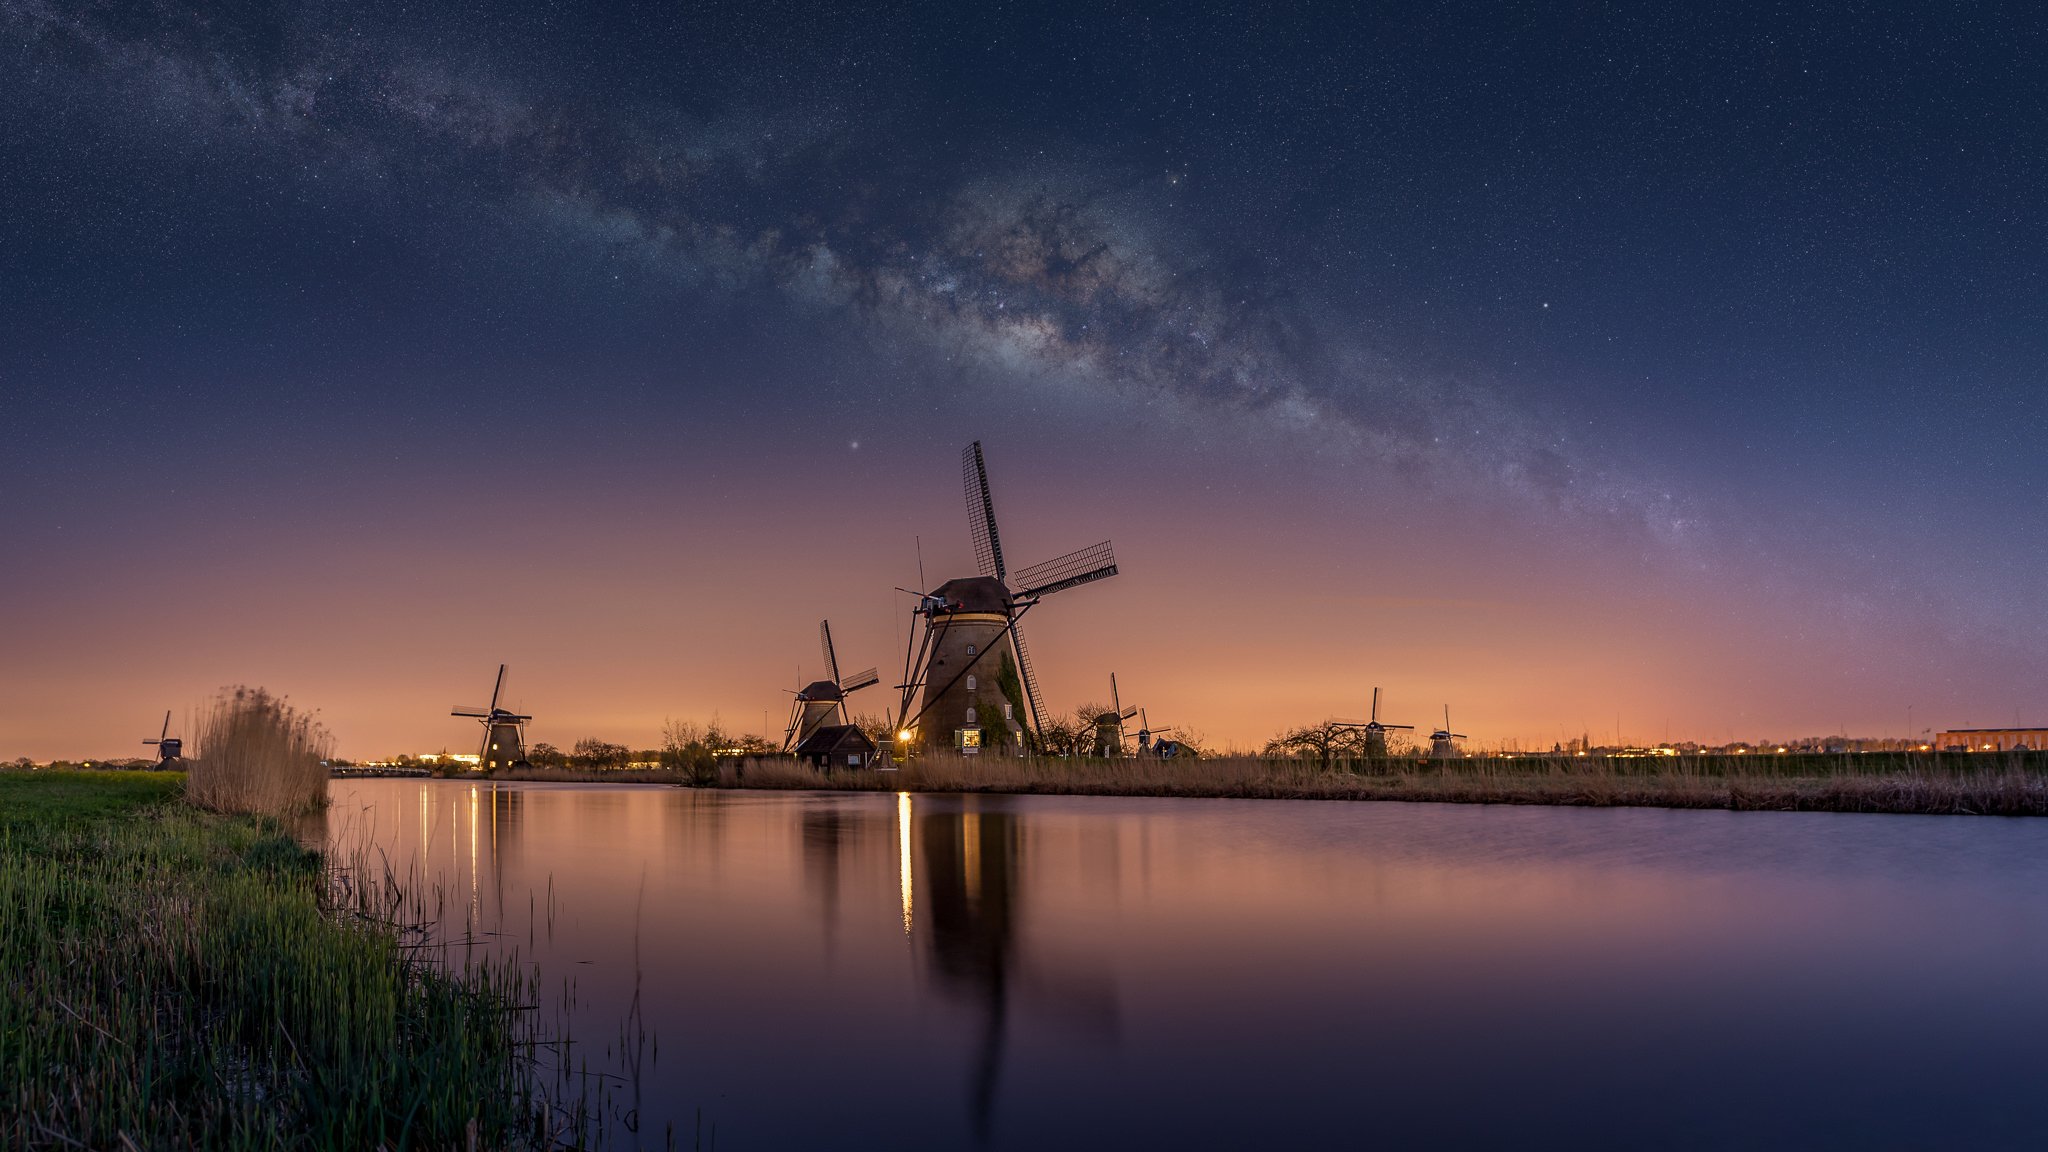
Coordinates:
(906,972)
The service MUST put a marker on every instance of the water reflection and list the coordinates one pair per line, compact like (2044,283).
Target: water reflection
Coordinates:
(937,971)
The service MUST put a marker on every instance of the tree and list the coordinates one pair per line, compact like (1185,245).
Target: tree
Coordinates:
(593,753)
(546,756)
(1066,736)
(876,728)
(1326,742)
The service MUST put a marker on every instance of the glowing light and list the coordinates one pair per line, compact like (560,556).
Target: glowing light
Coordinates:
(904,735)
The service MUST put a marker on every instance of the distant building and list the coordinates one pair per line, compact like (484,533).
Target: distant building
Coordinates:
(1992,740)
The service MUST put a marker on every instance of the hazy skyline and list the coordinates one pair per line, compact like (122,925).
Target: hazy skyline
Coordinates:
(1682,368)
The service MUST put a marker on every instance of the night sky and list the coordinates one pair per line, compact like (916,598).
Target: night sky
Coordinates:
(1574,365)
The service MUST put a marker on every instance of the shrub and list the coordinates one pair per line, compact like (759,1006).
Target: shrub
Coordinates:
(258,754)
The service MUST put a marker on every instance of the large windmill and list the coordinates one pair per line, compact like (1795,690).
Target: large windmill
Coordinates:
(504,731)
(1109,726)
(168,747)
(1376,732)
(969,671)
(823,702)
(1440,745)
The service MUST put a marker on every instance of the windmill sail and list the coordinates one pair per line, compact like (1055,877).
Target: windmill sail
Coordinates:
(860,680)
(981,513)
(1029,678)
(831,659)
(1095,562)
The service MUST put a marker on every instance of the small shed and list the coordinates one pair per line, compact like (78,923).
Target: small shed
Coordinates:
(837,746)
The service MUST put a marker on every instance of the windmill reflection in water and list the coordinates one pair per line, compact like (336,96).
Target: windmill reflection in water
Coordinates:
(963,873)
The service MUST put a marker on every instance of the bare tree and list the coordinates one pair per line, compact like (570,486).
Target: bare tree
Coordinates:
(1327,742)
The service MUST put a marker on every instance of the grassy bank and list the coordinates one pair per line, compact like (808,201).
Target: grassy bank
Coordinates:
(2013,785)
(181,979)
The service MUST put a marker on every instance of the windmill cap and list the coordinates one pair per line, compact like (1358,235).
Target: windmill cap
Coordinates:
(821,690)
(976,594)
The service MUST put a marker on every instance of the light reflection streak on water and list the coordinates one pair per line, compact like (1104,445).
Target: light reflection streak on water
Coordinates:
(903,851)
(475,906)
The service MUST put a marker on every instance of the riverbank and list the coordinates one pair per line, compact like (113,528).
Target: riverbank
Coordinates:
(2002,785)
(181,979)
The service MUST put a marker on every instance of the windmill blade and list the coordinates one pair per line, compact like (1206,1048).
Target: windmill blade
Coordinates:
(1029,677)
(860,680)
(462,710)
(1375,705)
(1126,714)
(1457,735)
(981,514)
(1116,704)
(1402,727)
(1095,562)
(498,687)
(825,642)
(167,726)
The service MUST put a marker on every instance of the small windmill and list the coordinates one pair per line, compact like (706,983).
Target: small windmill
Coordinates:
(1375,732)
(1145,734)
(168,747)
(823,702)
(1440,745)
(504,730)
(1109,726)
(968,669)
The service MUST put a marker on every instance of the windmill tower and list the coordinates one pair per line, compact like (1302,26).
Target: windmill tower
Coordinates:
(504,731)
(1376,732)
(968,670)
(168,747)
(823,702)
(1440,745)
(1109,726)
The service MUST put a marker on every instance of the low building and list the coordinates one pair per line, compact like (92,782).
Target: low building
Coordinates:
(1992,740)
(837,746)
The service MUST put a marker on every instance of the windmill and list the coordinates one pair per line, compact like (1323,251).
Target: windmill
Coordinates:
(968,669)
(1440,745)
(1165,749)
(168,747)
(1109,726)
(1375,732)
(504,731)
(823,702)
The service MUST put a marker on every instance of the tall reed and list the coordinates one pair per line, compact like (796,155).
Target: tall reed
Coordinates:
(259,755)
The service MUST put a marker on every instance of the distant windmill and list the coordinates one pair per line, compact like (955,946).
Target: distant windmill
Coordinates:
(1440,745)
(823,702)
(168,747)
(504,731)
(969,669)
(1146,732)
(1109,726)
(1375,732)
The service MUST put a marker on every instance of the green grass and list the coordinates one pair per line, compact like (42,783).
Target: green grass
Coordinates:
(179,979)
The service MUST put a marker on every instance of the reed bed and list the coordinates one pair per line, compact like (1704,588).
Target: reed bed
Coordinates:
(2011,785)
(179,979)
(258,755)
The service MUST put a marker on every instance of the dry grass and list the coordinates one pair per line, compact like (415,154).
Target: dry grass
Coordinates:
(259,755)
(1974,785)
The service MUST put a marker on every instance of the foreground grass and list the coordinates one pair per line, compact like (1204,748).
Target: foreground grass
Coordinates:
(179,979)
(2011,785)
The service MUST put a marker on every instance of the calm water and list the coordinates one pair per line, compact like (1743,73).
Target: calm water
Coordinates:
(882,971)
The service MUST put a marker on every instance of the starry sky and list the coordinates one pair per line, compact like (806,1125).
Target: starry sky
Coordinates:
(1581,367)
